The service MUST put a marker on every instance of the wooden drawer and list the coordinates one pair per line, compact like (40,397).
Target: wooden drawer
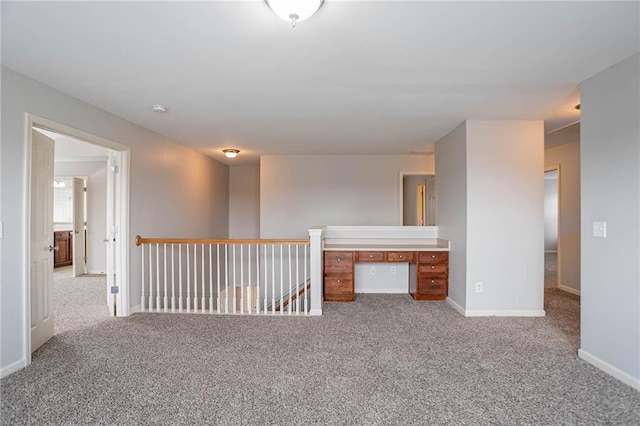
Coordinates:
(339,287)
(399,256)
(338,261)
(370,256)
(429,285)
(433,256)
(425,268)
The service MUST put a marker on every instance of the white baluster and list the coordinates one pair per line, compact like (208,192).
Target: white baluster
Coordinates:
(218,272)
(166,299)
(273,279)
(298,279)
(158,277)
(281,282)
(180,276)
(249,305)
(195,278)
(235,283)
(211,278)
(306,281)
(188,280)
(290,279)
(142,282)
(203,282)
(257,278)
(173,277)
(226,278)
(266,280)
(241,279)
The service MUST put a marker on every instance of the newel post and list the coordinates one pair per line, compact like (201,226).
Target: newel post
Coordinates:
(316,242)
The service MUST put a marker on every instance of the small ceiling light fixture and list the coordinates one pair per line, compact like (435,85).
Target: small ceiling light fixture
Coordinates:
(294,11)
(159,108)
(231,153)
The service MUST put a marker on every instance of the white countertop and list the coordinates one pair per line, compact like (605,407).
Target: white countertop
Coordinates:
(382,244)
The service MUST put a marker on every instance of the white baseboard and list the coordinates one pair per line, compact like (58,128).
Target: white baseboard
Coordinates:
(455,306)
(315,312)
(497,313)
(551,251)
(13,367)
(134,309)
(504,313)
(569,290)
(610,369)
(96,272)
(385,290)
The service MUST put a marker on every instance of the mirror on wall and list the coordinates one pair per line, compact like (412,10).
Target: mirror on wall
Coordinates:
(418,200)
(62,203)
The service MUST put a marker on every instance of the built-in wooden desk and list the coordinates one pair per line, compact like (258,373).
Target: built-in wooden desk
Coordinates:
(428,265)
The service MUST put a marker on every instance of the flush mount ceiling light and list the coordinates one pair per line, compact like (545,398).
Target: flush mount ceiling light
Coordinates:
(294,11)
(159,108)
(231,153)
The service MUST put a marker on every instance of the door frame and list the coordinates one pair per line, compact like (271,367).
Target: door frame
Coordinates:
(401,192)
(122,189)
(558,248)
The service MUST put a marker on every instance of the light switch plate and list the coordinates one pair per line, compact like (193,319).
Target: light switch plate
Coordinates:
(600,229)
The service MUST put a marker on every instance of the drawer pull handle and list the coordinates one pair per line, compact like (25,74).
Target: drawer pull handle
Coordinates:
(370,255)
(432,281)
(433,267)
(338,280)
(400,256)
(433,256)
(339,259)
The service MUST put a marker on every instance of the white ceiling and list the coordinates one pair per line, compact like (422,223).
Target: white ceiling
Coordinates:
(358,77)
(68,149)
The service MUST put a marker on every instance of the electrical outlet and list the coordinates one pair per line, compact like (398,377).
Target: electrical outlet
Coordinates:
(394,270)
(373,270)
(479,287)
(600,229)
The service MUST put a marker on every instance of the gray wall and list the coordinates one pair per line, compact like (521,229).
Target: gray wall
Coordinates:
(175,191)
(244,201)
(610,152)
(505,201)
(550,214)
(96,172)
(490,203)
(567,156)
(301,191)
(451,207)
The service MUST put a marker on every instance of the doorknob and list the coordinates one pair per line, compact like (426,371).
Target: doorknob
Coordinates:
(54,248)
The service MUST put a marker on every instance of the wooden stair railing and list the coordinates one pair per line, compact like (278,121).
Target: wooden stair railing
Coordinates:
(294,297)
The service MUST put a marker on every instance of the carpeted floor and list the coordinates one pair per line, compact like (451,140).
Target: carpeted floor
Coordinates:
(550,270)
(382,360)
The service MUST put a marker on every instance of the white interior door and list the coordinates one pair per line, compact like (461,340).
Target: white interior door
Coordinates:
(79,255)
(42,245)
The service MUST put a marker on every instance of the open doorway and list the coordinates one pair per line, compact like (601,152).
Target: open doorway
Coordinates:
(551,224)
(417,199)
(39,290)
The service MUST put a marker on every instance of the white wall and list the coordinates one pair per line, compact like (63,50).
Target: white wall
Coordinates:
(550,214)
(505,202)
(451,207)
(610,182)
(244,201)
(301,191)
(175,191)
(567,156)
(490,206)
(96,172)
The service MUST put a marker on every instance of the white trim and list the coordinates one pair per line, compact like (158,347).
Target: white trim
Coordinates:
(135,309)
(124,151)
(315,312)
(505,313)
(455,306)
(551,251)
(558,250)
(610,369)
(569,289)
(496,313)
(96,272)
(13,367)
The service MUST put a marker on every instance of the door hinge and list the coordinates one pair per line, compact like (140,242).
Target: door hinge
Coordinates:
(115,169)
(114,289)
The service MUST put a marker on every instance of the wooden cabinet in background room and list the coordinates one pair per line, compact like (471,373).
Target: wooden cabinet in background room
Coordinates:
(432,276)
(338,276)
(63,240)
